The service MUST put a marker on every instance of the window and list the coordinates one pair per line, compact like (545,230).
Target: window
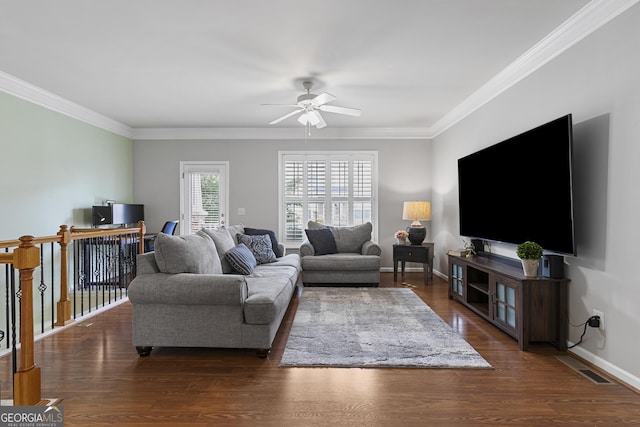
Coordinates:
(203,195)
(333,188)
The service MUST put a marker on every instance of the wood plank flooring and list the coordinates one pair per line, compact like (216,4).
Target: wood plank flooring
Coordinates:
(103,382)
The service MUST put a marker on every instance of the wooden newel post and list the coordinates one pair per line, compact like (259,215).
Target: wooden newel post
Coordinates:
(64,304)
(26,382)
(143,231)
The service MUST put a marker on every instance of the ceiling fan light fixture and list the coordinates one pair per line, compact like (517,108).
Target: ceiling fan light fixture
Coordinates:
(309,107)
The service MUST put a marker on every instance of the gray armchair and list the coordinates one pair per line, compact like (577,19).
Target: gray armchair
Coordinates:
(353,259)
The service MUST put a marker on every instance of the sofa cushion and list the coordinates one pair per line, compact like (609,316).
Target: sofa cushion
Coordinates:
(348,239)
(322,241)
(241,259)
(223,242)
(234,230)
(194,253)
(260,247)
(274,241)
(267,298)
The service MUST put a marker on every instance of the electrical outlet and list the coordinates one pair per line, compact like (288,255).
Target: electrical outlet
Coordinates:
(601,315)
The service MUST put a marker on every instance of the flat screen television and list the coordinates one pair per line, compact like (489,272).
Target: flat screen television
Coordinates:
(117,213)
(521,189)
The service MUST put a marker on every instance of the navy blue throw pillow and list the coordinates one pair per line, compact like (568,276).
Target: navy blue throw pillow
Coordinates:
(241,259)
(260,231)
(322,241)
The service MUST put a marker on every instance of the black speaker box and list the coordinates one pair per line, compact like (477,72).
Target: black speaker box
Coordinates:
(553,266)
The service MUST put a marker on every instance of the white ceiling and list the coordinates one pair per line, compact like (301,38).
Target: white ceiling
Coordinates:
(411,66)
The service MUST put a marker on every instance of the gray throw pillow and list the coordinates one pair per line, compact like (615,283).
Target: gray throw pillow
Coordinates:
(241,259)
(195,253)
(223,242)
(260,247)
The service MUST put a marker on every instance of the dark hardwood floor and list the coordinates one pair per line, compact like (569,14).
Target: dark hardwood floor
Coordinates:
(102,381)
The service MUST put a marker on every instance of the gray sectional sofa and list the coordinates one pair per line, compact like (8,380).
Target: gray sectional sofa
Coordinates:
(340,256)
(187,293)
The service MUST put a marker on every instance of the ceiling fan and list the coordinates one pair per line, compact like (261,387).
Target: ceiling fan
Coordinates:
(309,106)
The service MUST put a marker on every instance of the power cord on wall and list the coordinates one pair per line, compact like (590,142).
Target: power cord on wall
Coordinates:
(593,321)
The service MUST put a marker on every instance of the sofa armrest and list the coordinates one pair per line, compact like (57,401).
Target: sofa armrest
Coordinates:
(371,248)
(283,248)
(188,289)
(306,249)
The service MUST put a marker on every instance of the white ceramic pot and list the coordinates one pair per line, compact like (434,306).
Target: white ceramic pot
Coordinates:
(530,267)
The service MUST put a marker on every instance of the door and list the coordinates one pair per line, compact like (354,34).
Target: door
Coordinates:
(506,304)
(203,195)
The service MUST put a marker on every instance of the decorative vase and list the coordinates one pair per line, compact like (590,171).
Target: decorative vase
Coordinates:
(402,240)
(530,267)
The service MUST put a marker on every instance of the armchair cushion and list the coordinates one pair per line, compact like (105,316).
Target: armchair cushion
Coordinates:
(348,239)
(322,241)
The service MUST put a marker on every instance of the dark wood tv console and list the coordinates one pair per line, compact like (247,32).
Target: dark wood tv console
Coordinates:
(528,309)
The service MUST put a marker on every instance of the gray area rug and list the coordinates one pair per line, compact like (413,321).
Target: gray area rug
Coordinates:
(373,327)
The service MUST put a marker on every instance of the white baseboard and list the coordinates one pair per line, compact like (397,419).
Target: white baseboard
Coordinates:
(608,367)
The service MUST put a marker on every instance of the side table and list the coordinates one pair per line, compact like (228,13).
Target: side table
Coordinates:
(414,253)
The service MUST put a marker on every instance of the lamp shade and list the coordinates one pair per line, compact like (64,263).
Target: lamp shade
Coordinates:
(415,211)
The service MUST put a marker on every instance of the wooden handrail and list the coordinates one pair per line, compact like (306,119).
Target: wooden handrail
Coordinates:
(25,258)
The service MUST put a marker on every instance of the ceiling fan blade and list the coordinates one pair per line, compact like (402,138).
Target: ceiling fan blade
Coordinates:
(286,116)
(340,110)
(323,98)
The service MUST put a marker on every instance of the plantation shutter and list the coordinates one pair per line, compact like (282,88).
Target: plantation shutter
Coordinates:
(331,188)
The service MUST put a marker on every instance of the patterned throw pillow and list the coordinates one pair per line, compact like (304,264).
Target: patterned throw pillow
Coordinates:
(260,247)
(274,240)
(241,259)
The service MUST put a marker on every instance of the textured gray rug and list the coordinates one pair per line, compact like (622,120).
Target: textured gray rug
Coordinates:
(373,327)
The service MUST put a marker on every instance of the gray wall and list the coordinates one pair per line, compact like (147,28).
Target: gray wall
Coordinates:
(404,173)
(54,168)
(597,81)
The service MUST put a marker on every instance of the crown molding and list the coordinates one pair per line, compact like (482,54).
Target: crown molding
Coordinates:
(280,133)
(24,90)
(592,16)
(584,22)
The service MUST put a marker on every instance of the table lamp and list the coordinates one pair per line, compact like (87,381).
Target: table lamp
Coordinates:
(416,211)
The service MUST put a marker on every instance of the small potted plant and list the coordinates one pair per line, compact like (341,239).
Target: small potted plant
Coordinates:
(530,254)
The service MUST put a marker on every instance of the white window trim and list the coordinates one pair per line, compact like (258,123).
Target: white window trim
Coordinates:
(336,154)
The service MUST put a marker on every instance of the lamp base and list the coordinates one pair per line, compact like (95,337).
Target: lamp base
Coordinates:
(417,234)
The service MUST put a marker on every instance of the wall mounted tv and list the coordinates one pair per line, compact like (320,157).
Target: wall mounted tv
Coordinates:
(521,189)
(117,214)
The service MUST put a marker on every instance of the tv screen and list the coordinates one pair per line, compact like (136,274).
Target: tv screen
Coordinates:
(521,189)
(117,214)
(127,213)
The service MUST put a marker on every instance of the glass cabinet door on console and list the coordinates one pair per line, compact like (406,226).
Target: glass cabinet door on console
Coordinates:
(505,309)
(457,280)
